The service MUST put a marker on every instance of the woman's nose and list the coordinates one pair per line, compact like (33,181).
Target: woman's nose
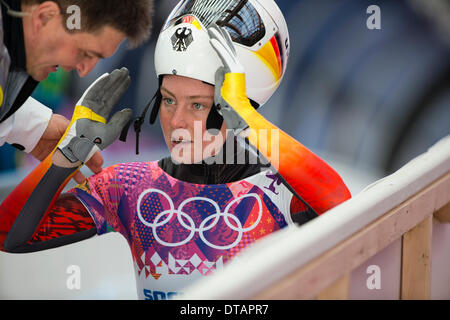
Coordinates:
(178,119)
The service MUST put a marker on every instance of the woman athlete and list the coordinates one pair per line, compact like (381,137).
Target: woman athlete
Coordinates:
(190,213)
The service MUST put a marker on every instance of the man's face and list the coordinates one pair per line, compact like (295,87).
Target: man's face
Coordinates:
(49,46)
(185,106)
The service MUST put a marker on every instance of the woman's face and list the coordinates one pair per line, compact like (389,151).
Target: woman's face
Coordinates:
(185,106)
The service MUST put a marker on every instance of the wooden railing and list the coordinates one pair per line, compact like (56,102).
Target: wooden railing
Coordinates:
(315,261)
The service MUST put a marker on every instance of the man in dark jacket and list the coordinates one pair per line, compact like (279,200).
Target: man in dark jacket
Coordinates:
(37,37)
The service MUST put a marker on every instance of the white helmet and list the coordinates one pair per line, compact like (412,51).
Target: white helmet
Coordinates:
(258,30)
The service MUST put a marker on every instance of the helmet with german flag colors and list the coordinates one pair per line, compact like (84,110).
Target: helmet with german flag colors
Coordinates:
(257,28)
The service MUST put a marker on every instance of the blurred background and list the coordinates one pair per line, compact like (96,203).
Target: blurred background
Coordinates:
(366,100)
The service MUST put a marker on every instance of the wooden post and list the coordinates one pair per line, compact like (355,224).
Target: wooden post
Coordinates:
(443,214)
(337,291)
(416,262)
(411,220)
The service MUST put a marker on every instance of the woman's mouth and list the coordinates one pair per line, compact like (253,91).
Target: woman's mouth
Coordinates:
(176,142)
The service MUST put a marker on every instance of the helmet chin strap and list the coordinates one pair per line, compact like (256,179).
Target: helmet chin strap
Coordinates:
(156,106)
(139,121)
(214,121)
(137,124)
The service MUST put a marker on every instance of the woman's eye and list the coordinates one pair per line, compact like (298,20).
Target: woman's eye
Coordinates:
(198,106)
(168,101)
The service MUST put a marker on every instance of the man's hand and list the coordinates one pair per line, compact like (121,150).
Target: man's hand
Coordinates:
(54,132)
(55,129)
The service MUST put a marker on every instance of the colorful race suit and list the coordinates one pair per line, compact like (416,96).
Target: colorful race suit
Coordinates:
(181,222)
(179,231)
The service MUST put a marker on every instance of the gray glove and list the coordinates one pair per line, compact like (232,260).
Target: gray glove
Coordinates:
(223,44)
(89,130)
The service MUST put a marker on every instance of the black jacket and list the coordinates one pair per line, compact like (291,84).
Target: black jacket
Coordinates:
(19,84)
(210,171)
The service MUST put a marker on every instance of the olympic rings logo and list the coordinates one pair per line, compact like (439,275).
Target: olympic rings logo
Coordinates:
(160,221)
